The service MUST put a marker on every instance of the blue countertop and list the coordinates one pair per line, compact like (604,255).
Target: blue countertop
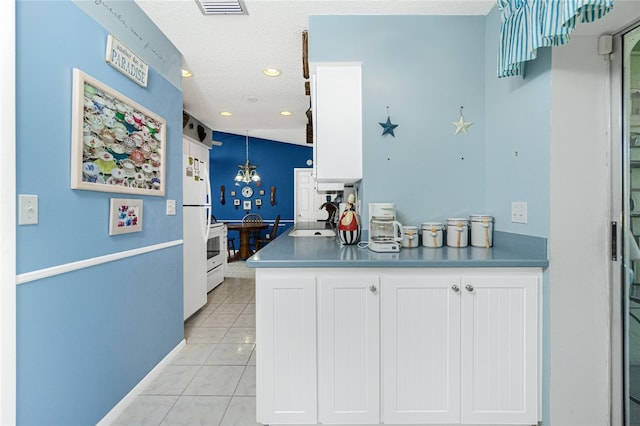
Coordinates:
(509,250)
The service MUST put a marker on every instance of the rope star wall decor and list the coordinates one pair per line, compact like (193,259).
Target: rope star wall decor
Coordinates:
(461,125)
(388,127)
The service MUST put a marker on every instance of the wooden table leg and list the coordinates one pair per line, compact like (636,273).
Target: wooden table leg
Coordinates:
(245,245)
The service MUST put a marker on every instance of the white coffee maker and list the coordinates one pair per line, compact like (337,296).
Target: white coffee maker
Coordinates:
(385,232)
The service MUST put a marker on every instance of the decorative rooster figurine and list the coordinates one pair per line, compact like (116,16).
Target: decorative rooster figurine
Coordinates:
(349,225)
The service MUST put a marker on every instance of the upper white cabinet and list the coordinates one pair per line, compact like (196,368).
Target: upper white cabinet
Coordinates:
(336,104)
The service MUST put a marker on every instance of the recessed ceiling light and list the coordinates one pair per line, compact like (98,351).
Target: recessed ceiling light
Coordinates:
(286,113)
(186,73)
(271,72)
(225,113)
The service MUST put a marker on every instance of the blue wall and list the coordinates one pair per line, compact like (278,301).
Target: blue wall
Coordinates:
(276,162)
(424,68)
(86,338)
(517,138)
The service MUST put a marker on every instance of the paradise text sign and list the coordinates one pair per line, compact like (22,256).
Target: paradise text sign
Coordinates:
(126,61)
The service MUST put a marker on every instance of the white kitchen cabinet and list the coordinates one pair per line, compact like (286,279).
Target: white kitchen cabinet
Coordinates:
(336,105)
(499,370)
(421,348)
(348,348)
(460,348)
(399,346)
(286,372)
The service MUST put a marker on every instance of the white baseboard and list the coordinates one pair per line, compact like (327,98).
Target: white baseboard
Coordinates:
(128,399)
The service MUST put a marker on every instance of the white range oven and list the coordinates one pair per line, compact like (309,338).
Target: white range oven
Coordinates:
(216,254)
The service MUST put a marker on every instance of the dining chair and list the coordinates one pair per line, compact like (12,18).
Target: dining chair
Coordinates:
(231,248)
(261,242)
(253,218)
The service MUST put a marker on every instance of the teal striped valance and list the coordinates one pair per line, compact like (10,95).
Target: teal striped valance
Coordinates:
(529,24)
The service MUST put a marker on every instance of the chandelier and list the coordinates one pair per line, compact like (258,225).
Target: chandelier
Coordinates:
(247,172)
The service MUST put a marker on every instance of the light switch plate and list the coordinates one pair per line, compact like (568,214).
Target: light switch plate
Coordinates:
(171,207)
(519,212)
(27,209)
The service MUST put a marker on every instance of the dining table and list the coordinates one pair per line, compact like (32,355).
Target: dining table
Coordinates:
(245,230)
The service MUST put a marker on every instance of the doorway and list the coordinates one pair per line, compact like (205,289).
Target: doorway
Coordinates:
(629,77)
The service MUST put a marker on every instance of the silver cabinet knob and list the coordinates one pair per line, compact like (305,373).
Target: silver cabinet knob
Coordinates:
(469,287)
(455,288)
(373,288)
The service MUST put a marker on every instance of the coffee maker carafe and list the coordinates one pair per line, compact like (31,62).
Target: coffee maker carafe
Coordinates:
(385,232)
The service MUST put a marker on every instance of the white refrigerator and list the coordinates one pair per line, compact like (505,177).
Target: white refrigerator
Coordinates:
(196,214)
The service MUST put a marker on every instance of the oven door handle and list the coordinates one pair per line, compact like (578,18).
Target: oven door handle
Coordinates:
(208,205)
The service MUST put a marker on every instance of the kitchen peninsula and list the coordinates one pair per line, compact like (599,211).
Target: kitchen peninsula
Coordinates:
(424,336)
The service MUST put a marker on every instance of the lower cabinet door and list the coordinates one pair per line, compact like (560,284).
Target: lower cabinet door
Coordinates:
(286,379)
(421,349)
(499,368)
(349,347)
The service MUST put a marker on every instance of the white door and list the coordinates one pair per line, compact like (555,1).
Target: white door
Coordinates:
(499,369)
(421,348)
(286,381)
(348,361)
(307,200)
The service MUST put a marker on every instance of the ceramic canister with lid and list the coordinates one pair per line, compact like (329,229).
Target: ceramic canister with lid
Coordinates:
(481,230)
(457,232)
(410,237)
(432,234)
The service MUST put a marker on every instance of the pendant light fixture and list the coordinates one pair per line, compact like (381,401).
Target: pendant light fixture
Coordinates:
(247,172)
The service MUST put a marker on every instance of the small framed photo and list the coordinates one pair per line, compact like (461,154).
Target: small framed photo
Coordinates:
(233,193)
(236,202)
(258,201)
(261,192)
(246,205)
(125,216)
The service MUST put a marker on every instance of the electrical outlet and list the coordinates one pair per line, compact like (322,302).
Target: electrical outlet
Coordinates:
(519,212)
(171,207)
(27,209)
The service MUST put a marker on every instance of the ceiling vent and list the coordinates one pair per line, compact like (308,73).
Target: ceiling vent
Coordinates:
(222,7)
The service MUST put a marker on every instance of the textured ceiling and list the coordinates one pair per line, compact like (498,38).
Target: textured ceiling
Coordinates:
(227,54)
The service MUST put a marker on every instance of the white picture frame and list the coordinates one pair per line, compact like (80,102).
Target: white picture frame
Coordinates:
(125,216)
(117,145)
(246,205)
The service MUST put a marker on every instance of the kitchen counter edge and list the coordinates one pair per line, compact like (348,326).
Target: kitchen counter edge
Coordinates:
(509,250)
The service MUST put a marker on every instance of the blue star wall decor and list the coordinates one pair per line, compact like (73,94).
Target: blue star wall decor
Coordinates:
(388,127)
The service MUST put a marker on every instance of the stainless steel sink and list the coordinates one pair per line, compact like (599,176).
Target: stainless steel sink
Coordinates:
(312,233)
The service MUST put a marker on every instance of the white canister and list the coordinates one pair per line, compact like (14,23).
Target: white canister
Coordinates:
(481,230)
(457,232)
(410,237)
(432,234)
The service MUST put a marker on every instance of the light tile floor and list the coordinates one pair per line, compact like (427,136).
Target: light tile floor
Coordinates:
(212,380)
